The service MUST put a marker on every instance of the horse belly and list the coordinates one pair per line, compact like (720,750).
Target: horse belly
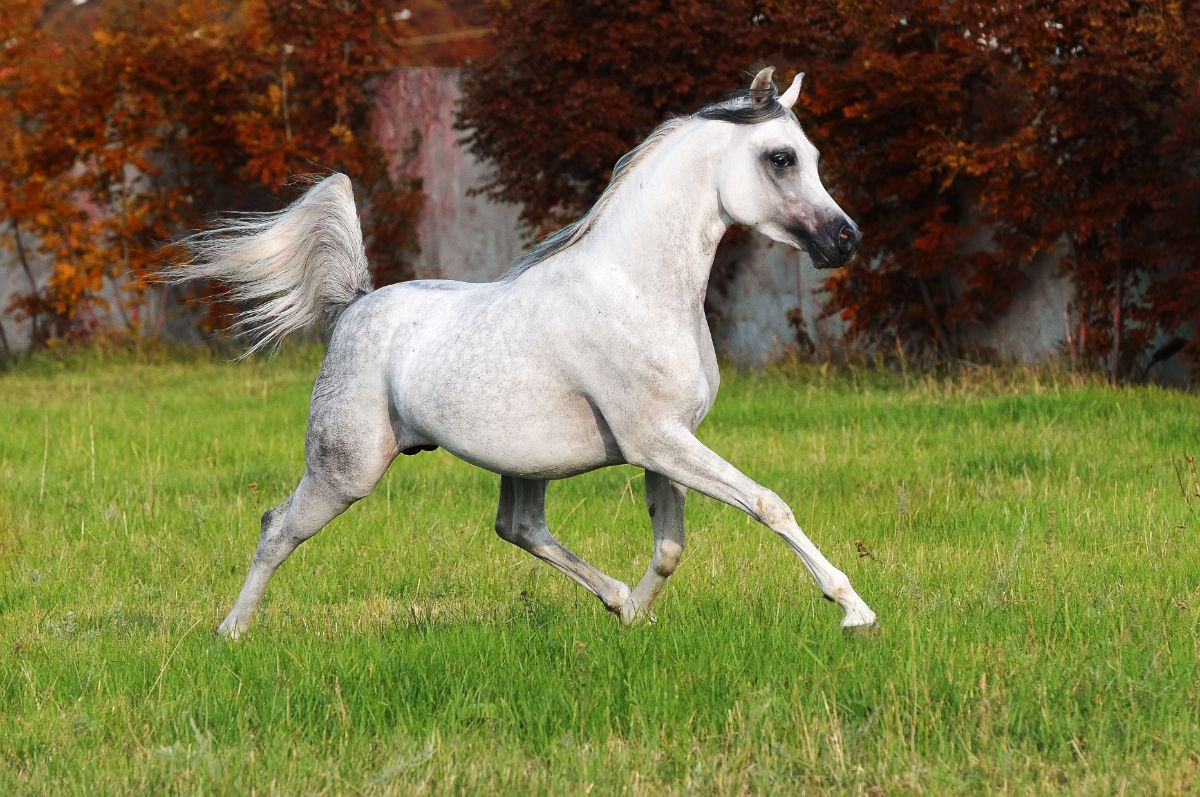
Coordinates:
(536,452)
(510,420)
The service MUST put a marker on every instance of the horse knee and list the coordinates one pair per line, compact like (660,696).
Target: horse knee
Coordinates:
(772,511)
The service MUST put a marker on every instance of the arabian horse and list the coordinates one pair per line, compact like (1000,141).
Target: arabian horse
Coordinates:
(592,350)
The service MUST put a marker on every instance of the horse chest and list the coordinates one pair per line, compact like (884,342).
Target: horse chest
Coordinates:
(673,375)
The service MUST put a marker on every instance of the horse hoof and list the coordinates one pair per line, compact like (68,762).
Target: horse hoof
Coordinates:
(228,631)
(631,614)
(642,617)
(867,631)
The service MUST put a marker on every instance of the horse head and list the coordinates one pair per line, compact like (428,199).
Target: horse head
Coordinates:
(768,178)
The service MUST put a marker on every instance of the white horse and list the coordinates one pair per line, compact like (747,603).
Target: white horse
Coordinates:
(593,349)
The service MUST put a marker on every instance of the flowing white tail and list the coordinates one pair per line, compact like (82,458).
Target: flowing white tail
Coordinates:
(290,267)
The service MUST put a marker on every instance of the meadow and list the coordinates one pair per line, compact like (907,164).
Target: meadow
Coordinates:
(1028,539)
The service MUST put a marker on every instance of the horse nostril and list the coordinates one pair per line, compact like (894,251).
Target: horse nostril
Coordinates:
(846,239)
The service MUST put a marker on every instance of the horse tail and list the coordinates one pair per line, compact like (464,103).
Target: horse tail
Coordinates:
(291,267)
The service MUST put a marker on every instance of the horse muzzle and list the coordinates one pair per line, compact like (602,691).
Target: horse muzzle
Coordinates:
(833,244)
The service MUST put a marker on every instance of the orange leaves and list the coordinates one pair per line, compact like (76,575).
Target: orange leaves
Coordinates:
(104,38)
(123,126)
(857,110)
(275,95)
(342,133)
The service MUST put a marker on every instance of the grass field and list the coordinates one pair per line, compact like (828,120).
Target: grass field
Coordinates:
(1026,539)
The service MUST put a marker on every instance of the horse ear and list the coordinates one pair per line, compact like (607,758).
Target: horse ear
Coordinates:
(762,88)
(793,93)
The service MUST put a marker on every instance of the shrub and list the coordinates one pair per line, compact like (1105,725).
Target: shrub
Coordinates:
(967,139)
(127,123)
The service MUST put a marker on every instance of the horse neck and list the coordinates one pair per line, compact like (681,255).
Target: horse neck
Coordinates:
(663,226)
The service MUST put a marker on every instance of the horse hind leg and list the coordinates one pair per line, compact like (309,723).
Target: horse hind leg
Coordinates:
(284,528)
(664,501)
(336,477)
(521,520)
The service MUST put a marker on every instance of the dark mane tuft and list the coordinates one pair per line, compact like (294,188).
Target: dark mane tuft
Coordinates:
(739,108)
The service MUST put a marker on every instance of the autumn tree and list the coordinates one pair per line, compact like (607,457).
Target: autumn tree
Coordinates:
(129,123)
(966,139)
(1104,158)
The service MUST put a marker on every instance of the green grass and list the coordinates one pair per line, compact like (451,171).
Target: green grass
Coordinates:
(1033,563)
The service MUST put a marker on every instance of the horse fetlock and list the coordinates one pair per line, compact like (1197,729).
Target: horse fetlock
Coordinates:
(634,613)
(618,599)
(839,591)
(858,613)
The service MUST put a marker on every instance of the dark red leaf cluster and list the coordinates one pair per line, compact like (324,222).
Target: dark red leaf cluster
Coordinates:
(966,138)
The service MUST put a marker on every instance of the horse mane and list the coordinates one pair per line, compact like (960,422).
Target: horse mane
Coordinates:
(743,107)
(571,234)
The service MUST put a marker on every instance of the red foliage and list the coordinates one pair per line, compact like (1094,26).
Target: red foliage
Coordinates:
(1105,156)
(965,138)
(126,124)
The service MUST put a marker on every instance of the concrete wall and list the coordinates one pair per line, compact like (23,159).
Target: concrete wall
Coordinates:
(1035,325)
(13,280)
(769,282)
(461,236)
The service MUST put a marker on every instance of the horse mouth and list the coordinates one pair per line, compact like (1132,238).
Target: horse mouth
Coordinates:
(820,259)
(824,258)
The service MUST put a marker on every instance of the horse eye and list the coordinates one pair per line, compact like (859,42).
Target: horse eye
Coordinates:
(782,159)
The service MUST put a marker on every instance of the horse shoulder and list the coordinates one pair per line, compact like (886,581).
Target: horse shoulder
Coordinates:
(654,377)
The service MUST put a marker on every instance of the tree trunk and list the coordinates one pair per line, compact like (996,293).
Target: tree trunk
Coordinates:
(939,330)
(1114,369)
(33,288)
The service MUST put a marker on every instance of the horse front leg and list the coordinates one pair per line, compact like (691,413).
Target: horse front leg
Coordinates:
(664,502)
(521,520)
(675,453)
